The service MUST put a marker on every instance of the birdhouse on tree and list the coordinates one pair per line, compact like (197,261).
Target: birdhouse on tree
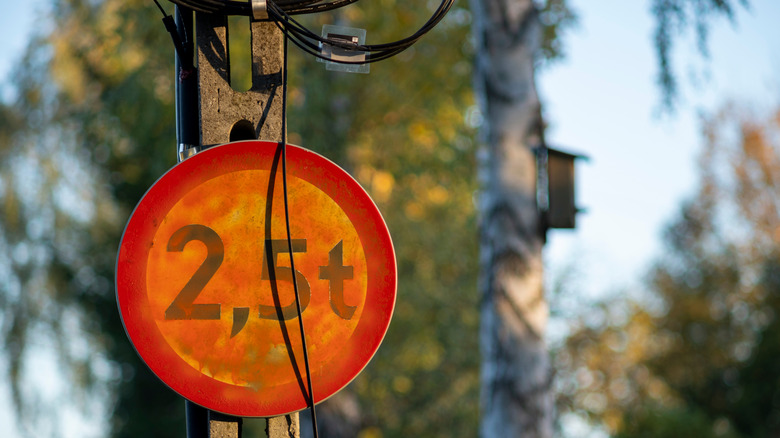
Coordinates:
(556,188)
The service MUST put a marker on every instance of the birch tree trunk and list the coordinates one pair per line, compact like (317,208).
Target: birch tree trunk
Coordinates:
(516,398)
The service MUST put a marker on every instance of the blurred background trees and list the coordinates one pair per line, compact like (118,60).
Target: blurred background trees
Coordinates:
(91,128)
(516,375)
(696,354)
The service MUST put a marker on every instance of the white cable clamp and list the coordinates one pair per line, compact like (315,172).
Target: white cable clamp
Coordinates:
(259,9)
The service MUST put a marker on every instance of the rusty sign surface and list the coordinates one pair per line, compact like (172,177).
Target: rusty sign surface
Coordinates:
(204,283)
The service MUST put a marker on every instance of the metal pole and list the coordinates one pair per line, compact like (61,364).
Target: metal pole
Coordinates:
(187,139)
(197,418)
(187,125)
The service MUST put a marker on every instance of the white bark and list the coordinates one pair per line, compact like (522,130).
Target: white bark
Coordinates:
(516,398)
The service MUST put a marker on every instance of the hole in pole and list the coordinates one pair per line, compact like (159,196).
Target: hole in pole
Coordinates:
(243,130)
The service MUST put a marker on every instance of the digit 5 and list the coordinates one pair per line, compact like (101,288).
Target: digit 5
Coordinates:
(283,273)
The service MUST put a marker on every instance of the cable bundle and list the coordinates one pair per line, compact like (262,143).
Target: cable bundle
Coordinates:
(281,11)
(292,7)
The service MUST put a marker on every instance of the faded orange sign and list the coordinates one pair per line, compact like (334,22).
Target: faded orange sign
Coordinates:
(205,289)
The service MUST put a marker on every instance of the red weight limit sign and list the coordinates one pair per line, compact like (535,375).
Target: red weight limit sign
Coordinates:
(204,283)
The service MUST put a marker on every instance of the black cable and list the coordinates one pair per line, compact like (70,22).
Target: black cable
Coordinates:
(283,144)
(305,38)
(181,51)
(281,12)
(231,7)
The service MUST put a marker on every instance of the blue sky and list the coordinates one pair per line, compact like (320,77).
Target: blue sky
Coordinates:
(16,24)
(602,101)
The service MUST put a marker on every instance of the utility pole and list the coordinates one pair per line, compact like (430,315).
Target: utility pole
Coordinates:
(210,112)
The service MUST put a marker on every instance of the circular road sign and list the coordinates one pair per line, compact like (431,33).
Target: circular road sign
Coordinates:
(204,283)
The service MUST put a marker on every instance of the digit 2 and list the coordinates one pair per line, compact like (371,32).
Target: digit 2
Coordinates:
(183,306)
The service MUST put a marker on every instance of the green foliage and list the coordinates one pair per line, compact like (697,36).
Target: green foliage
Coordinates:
(93,127)
(556,17)
(756,410)
(671,423)
(101,84)
(401,132)
(702,346)
(95,115)
(672,18)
